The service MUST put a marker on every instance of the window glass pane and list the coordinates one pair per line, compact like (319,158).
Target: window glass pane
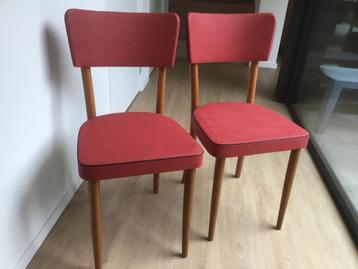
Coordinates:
(327,94)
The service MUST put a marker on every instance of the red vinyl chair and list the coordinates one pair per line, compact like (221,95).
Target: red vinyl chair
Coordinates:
(233,129)
(130,143)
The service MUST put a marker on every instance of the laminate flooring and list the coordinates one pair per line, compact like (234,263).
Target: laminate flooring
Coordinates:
(143,230)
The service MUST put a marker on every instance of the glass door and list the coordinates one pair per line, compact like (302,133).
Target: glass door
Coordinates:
(324,95)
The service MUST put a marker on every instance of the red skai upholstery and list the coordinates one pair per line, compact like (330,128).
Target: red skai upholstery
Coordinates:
(238,129)
(102,38)
(235,129)
(134,143)
(229,37)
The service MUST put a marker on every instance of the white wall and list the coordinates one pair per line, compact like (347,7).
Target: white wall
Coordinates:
(278,8)
(42,107)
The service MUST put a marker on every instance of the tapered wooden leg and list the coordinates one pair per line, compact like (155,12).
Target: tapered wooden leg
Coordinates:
(290,174)
(95,209)
(156,178)
(192,133)
(187,209)
(185,174)
(215,197)
(239,164)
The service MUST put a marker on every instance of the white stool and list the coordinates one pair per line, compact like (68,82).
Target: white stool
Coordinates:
(338,78)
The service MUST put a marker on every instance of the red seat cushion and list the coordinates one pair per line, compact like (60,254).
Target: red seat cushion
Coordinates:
(236,129)
(134,143)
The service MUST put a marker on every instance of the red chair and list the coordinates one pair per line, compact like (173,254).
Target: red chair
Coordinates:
(234,129)
(131,143)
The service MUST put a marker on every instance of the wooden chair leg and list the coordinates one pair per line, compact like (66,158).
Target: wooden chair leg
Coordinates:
(239,164)
(215,197)
(192,133)
(290,174)
(187,209)
(185,174)
(156,178)
(95,209)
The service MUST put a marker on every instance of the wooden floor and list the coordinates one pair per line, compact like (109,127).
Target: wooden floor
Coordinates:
(142,230)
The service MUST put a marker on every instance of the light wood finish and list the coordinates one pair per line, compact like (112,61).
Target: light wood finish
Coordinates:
(215,197)
(194,75)
(88,91)
(195,101)
(156,178)
(290,175)
(239,164)
(93,186)
(161,80)
(95,212)
(162,76)
(187,210)
(144,231)
(185,174)
(251,94)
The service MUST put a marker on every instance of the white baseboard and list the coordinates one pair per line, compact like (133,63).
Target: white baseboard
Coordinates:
(46,228)
(143,77)
(144,83)
(268,64)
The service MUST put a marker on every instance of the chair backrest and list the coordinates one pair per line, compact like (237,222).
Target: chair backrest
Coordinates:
(102,38)
(229,37)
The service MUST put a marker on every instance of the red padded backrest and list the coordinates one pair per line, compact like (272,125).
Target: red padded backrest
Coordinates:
(229,37)
(101,38)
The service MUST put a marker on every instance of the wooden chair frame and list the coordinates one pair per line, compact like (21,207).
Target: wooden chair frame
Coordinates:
(94,185)
(220,162)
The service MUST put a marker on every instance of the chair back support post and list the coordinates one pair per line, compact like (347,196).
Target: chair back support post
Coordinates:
(194,72)
(162,76)
(88,91)
(251,94)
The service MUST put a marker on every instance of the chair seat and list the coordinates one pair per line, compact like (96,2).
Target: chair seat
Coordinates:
(134,143)
(235,129)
